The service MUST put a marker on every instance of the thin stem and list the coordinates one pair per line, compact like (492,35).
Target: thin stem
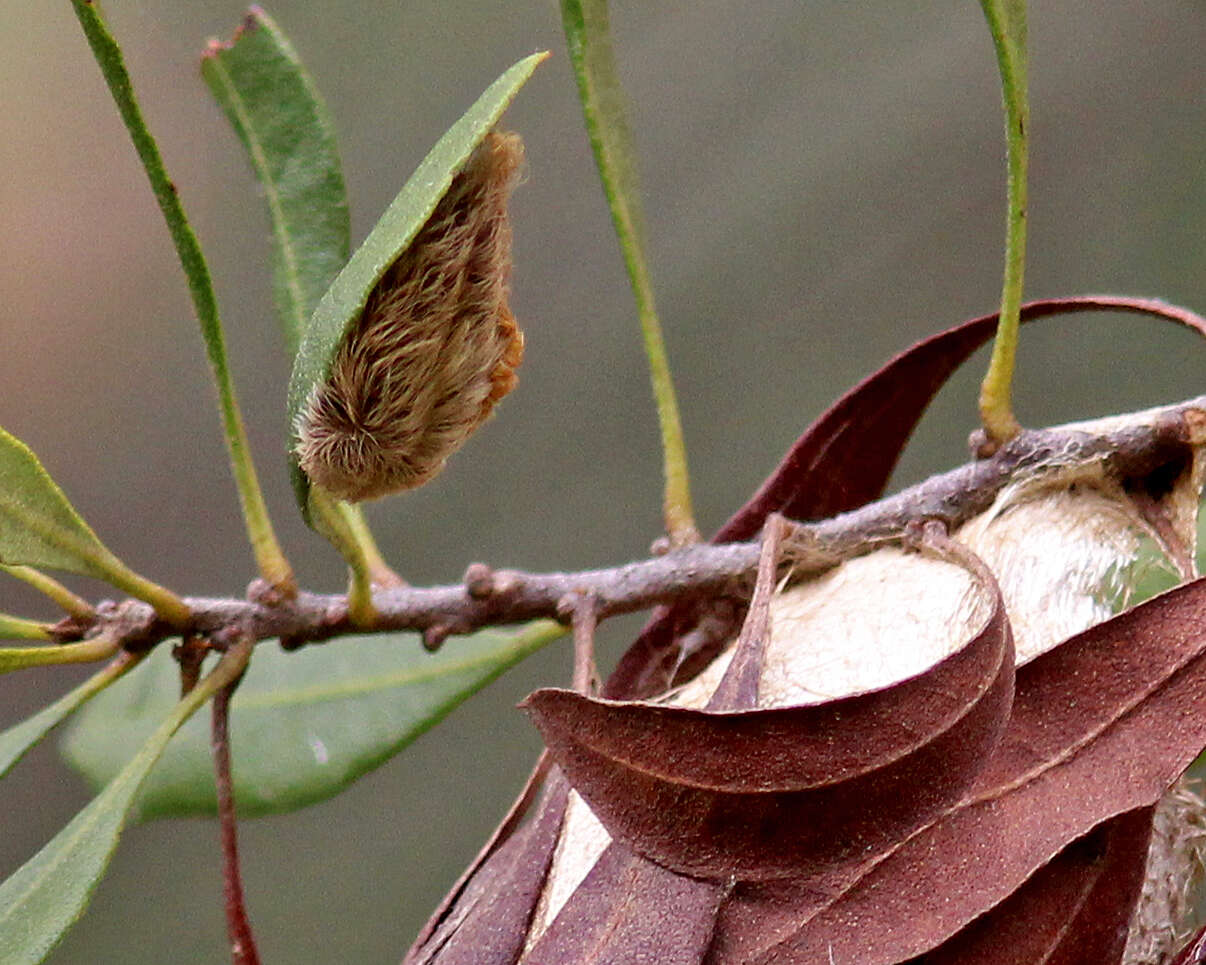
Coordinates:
(1007,22)
(166,603)
(380,572)
(48,586)
(238,925)
(19,628)
(337,521)
(269,556)
(588,34)
(89,651)
(585,620)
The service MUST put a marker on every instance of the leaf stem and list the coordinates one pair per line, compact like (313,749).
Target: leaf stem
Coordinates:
(166,603)
(269,556)
(19,628)
(1007,23)
(344,527)
(588,34)
(18,739)
(48,586)
(238,925)
(88,651)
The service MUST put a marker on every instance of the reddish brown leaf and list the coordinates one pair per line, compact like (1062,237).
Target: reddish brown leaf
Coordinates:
(1074,910)
(766,793)
(629,911)
(1101,725)
(487,919)
(844,460)
(846,457)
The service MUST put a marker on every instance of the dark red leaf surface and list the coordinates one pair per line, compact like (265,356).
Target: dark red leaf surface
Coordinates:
(487,923)
(845,459)
(1195,952)
(659,917)
(764,793)
(1074,910)
(1101,725)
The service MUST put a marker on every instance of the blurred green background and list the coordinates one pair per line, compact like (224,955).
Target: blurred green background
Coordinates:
(824,185)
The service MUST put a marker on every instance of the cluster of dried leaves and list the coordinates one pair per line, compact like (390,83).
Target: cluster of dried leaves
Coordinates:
(952,752)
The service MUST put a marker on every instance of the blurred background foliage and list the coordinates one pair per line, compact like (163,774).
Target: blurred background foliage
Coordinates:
(823,184)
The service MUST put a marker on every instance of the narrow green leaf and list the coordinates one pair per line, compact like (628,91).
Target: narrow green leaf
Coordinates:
(344,301)
(19,738)
(1007,23)
(39,527)
(588,33)
(47,894)
(277,112)
(271,560)
(306,724)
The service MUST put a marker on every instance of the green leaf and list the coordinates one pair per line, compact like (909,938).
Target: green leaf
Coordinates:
(271,560)
(588,33)
(39,527)
(19,738)
(277,112)
(47,894)
(304,725)
(344,301)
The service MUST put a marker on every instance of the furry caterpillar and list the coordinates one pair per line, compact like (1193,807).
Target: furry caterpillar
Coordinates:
(434,350)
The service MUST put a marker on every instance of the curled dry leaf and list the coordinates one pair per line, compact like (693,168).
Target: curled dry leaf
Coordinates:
(1055,823)
(761,793)
(1069,911)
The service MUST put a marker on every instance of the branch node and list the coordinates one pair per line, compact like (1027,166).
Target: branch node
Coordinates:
(982,445)
(70,629)
(480,582)
(266,594)
(507,583)
(435,635)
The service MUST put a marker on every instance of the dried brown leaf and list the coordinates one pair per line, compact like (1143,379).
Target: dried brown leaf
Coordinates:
(767,792)
(486,921)
(661,917)
(1101,725)
(1101,732)
(1074,910)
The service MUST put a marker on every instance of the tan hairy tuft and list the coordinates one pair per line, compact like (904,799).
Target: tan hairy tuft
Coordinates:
(434,350)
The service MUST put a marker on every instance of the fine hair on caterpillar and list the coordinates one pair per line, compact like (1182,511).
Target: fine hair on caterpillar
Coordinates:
(434,349)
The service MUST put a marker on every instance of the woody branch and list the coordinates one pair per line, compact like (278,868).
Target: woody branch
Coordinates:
(1127,451)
